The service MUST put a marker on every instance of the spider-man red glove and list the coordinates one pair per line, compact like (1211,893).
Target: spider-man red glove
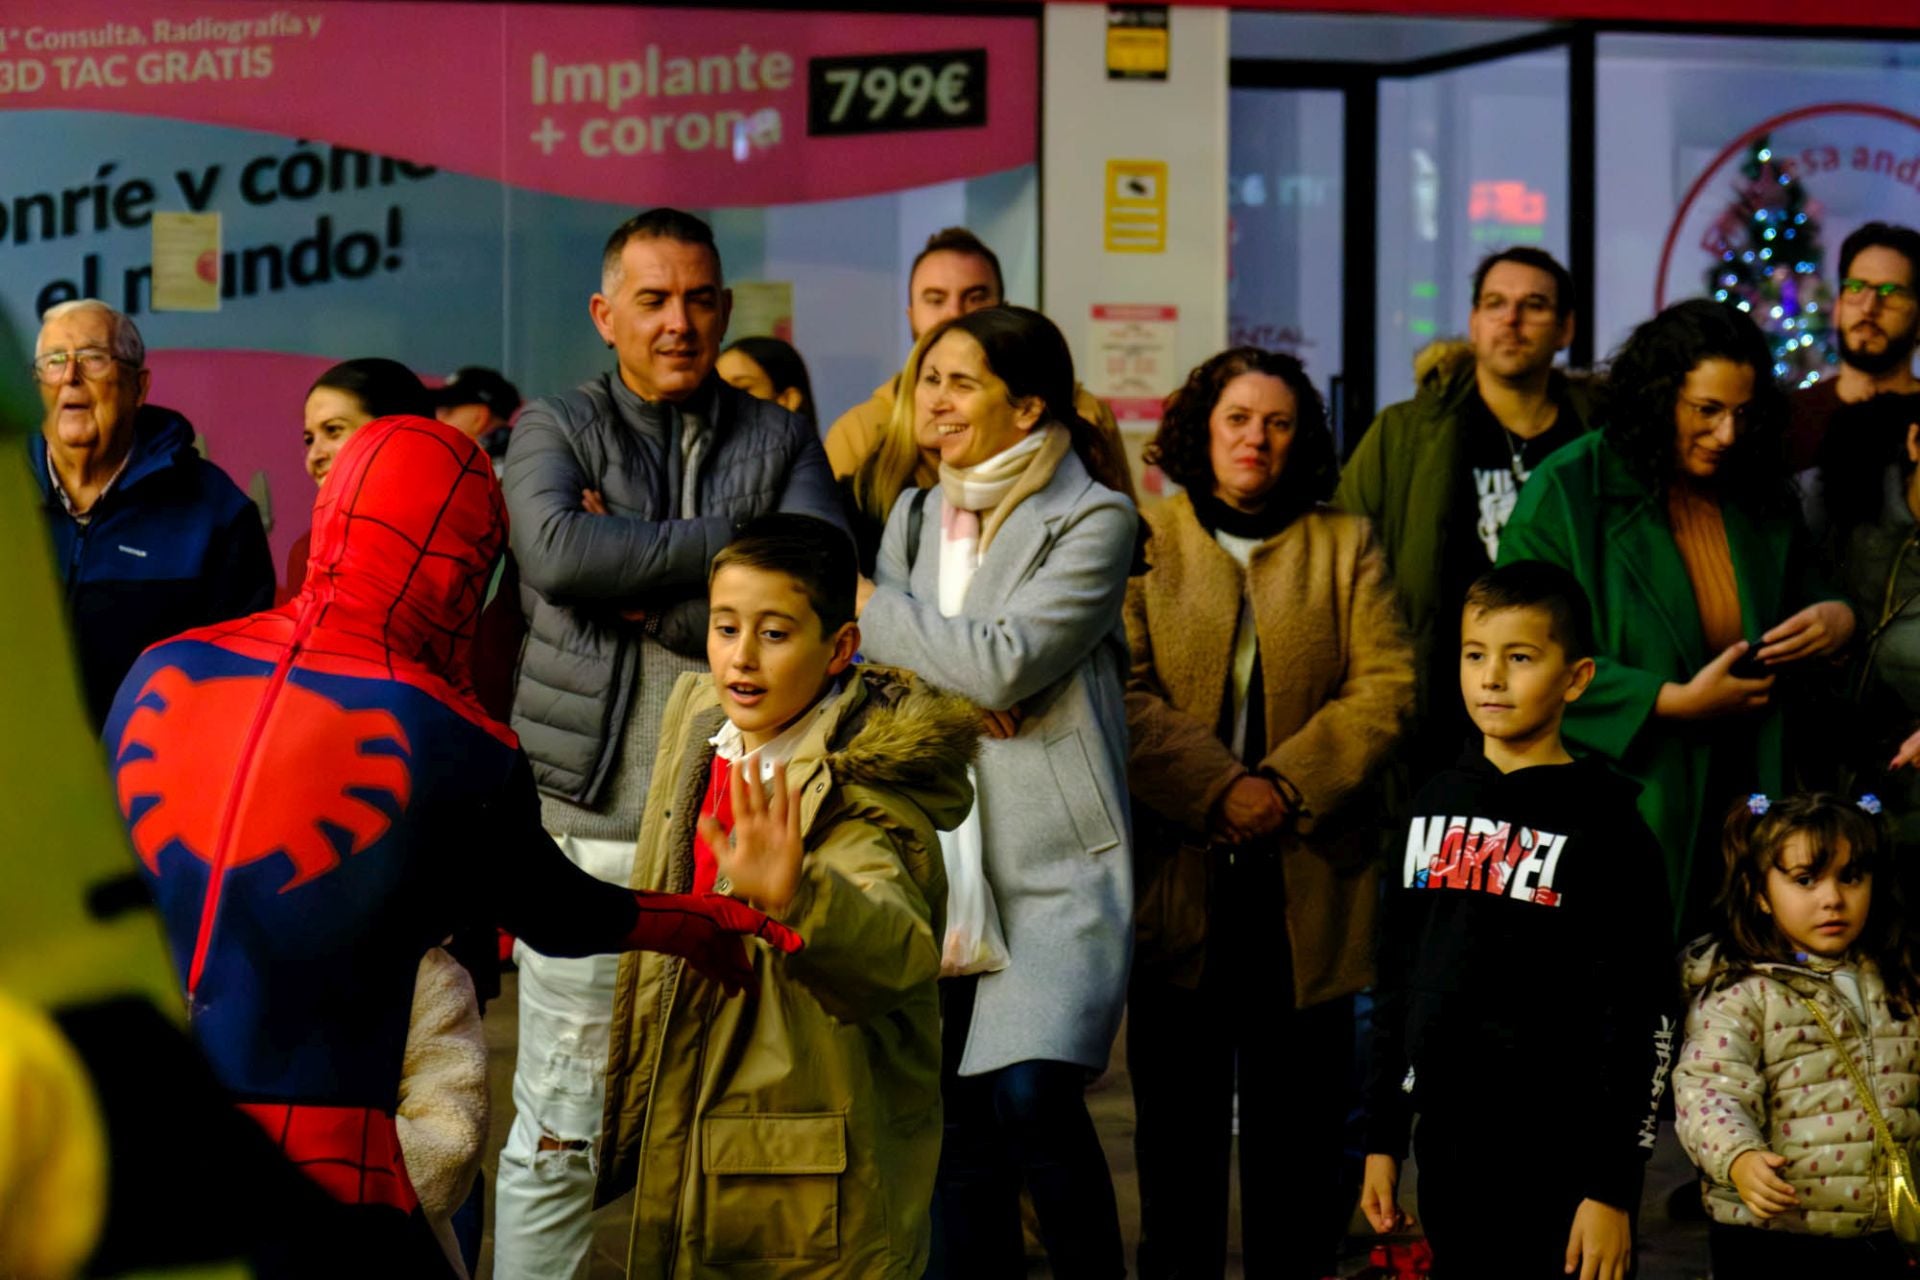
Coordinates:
(706,930)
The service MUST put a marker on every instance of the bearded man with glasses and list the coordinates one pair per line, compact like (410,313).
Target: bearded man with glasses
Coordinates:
(1878,322)
(150,538)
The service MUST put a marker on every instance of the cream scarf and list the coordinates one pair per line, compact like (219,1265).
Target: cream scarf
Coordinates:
(991,489)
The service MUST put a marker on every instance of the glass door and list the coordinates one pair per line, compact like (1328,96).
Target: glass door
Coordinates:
(1287,203)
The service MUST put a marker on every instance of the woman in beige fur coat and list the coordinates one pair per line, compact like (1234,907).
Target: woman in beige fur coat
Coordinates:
(1270,678)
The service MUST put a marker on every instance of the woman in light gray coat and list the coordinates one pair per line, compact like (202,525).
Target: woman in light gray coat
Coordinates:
(1006,585)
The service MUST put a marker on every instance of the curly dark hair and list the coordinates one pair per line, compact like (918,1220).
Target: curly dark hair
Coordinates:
(1754,844)
(1642,392)
(1182,447)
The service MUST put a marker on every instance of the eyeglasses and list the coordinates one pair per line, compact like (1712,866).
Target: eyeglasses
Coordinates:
(1533,307)
(1711,413)
(1890,292)
(94,362)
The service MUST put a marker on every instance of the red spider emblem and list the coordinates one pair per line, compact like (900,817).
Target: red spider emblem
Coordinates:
(305,765)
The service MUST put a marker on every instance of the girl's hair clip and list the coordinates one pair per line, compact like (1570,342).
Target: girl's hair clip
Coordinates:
(1758,804)
(1870,803)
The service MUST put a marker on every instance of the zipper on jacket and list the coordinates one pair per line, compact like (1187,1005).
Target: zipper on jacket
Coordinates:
(236,787)
(75,557)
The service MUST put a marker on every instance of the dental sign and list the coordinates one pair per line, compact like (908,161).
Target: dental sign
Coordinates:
(703,108)
(434,181)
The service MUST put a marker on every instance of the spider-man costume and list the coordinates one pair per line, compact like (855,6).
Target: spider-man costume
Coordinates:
(317,797)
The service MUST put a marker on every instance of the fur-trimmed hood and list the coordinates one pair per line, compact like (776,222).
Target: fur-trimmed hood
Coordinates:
(895,732)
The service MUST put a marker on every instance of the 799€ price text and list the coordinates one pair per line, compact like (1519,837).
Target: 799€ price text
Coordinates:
(893,92)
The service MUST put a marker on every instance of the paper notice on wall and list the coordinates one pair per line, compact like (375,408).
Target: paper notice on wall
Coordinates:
(762,309)
(186,262)
(1131,359)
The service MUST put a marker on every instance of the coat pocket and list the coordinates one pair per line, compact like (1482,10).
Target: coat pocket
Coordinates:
(772,1186)
(1080,794)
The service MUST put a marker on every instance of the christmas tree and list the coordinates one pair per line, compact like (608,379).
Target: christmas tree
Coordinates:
(1768,249)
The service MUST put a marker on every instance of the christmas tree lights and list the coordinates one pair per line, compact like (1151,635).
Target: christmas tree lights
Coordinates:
(1767,246)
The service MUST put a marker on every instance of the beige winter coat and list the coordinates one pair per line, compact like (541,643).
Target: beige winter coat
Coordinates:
(1338,679)
(1758,1074)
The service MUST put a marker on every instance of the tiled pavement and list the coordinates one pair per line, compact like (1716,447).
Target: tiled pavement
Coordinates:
(1669,1251)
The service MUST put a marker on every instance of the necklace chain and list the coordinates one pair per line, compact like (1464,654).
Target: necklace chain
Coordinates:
(1516,451)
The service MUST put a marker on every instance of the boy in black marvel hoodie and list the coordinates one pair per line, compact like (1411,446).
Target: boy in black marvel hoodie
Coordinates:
(1524,1007)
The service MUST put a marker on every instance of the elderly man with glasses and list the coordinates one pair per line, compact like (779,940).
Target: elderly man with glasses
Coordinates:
(149,537)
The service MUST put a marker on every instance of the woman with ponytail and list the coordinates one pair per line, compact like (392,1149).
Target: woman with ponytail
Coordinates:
(1005,585)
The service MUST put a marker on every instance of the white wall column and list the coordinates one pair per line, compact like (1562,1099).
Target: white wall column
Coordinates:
(1088,120)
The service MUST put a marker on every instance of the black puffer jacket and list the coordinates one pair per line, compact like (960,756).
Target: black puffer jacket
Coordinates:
(579,572)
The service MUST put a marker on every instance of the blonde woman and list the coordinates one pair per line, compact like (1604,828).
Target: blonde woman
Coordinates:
(895,467)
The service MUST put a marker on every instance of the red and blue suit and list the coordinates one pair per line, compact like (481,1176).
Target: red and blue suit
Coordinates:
(317,797)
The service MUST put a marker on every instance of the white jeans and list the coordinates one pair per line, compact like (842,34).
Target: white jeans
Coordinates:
(543,1199)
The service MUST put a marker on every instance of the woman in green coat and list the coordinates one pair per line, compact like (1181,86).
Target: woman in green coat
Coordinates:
(1678,519)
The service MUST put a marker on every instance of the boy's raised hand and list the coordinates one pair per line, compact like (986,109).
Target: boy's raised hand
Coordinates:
(762,856)
(1763,1190)
(1380,1195)
(1601,1243)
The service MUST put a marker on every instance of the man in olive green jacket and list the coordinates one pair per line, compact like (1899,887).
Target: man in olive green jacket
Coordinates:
(799,1123)
(1438,474)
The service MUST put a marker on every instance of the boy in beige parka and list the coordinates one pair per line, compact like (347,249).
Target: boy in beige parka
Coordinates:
(791,1129)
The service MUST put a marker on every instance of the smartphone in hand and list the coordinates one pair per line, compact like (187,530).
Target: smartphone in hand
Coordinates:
(1749,667)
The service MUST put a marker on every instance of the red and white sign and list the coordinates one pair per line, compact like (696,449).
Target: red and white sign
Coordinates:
(1131,354)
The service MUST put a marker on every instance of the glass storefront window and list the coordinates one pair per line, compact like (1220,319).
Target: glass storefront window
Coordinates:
(1287,203)
(1696,131)
(1471,160)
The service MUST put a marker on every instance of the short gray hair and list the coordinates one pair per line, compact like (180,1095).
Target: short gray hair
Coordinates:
(126,341)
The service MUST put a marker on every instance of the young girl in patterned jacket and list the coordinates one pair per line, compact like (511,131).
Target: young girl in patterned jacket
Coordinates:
(1795,1176)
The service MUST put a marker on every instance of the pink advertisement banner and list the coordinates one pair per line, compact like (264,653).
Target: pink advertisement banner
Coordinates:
(706,108)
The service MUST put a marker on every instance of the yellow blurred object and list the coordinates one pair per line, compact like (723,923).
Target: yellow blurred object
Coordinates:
(61,836)
(53,1150)
(61,840)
